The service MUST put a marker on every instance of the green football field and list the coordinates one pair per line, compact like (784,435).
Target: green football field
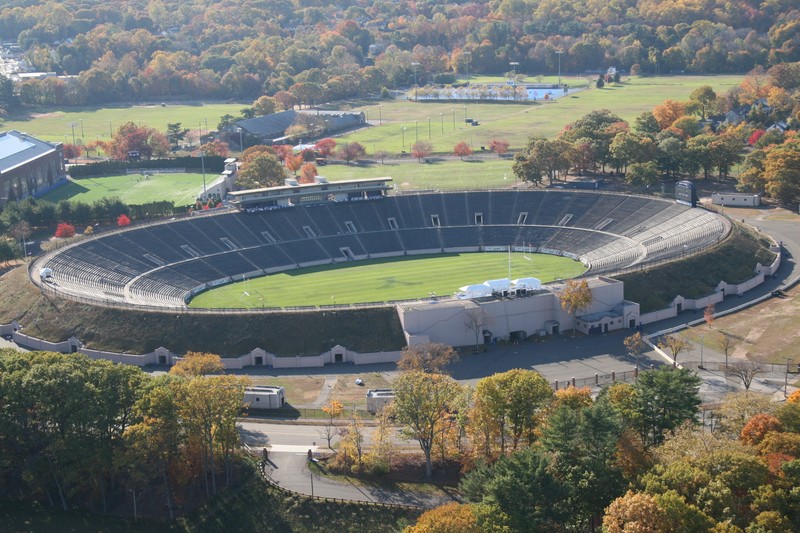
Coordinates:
(180,188)
(384,280)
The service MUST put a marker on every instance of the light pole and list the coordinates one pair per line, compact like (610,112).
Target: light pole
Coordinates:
(82,135)
(429,127)
(786,378)
(110,134)
(468,56)
(702,345)
(380,115)
(558,53)
(203,165)
(241,144)
(465,114)
(441,119)
(72,125)
(416,131)
(454,118)
(403,133)
(415,65)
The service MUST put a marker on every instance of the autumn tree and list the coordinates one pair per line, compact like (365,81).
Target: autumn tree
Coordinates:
(325,147)
(264,105)
(701,100)
(447,518)
(129,138)
(123,220)
(332,410)
(215,148)
(708,314)
(668,112)
(294,162)
(498,146)
(634,512)
(72,151)
(462,150)
(543,157)
(674,344)
(757,428)
(351,151)
(65,231)
(261,170)
(421,149)
(420,401)
(635,346)
(428,357)
(575,296)
(209,409)
(195,364)
(507,408)
(307,173)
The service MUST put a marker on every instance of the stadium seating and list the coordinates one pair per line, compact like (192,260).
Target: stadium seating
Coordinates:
(158,265)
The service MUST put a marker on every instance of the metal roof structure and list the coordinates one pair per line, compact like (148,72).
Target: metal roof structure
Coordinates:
(17,148)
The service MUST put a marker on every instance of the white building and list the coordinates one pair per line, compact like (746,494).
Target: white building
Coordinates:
(736,199)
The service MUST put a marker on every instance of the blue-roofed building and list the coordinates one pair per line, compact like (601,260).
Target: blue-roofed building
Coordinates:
(28,166)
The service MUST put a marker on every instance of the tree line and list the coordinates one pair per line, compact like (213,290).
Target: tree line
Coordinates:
(539,460)
(696,138)
(93,434)
(312,52)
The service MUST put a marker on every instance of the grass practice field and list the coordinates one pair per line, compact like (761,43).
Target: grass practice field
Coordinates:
(384,280)
(180,188)
(92,123)
(516,123)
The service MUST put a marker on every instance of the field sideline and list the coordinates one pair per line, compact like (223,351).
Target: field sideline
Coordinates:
(380,280)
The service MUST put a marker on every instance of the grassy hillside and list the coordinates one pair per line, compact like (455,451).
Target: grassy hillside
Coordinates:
(733,261)
(362,330)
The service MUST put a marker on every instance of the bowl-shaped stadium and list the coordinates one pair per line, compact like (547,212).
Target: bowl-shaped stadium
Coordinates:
(161,266)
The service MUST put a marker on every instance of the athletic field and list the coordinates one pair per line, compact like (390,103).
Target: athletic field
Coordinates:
(384,280)
(180,188)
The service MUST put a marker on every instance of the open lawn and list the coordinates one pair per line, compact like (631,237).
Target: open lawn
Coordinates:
(92,123)
(384,280)
(180,188)
(442,123)
(472,173)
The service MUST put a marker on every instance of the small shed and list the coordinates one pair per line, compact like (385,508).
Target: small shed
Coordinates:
(265,397)
(734,199)
(469,292)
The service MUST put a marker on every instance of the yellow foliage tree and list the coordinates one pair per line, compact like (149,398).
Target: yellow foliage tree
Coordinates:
(668,112)
(198,364)
(634,513)
(447,518)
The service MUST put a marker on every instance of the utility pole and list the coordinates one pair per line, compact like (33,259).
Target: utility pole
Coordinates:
(558,53)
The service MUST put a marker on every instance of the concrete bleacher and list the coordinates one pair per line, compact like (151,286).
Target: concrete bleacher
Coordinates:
(160,264)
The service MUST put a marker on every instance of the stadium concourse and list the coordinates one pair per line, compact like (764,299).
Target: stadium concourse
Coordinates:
(161,266)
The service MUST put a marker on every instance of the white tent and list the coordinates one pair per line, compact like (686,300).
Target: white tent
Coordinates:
(528,284)
(473,291)
(498,285)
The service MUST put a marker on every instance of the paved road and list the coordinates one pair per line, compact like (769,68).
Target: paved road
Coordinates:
(288,466)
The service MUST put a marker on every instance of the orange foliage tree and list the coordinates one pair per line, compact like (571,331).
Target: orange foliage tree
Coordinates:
(462,149)
(447,518)
(757,427)
(668,112)
(123,220)
(307,173)
(634,512)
